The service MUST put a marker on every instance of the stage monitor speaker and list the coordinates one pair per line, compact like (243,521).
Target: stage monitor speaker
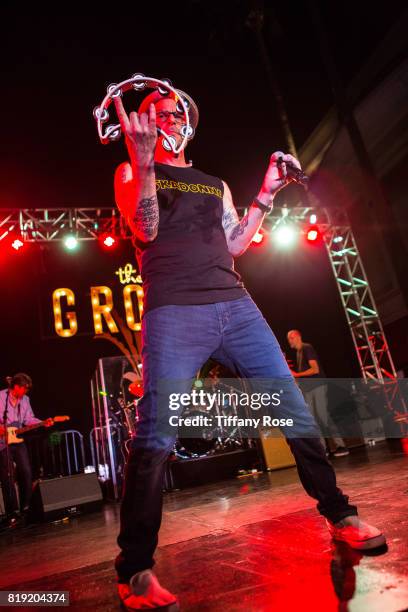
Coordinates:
(59,497)
(277,453)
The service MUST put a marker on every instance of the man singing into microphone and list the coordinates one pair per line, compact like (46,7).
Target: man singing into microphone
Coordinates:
(187,232)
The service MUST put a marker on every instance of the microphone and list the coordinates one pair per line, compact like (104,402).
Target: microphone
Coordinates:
(294,173)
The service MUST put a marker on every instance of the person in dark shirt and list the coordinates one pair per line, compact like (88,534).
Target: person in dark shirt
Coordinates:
(315,390)
(187,231)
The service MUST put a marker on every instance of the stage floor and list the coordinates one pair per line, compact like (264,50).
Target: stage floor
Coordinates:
(249,544)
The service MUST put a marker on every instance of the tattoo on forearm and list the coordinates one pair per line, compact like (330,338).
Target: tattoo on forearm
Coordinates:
(240,228)
(229,219)
(146,217)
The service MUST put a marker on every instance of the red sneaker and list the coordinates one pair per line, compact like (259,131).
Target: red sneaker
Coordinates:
(356,533)
(145,593)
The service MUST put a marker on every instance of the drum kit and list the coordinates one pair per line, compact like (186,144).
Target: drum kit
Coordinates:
(212,439)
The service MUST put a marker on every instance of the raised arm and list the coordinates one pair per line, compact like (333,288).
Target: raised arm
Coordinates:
(239,233)
(135,182)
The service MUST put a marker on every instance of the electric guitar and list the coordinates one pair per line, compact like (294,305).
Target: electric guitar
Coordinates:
(13,432)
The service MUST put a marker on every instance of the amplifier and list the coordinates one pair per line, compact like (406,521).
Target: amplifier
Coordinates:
(65,496)
(276,451)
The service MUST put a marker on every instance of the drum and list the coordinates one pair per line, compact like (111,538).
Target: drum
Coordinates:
(195,441)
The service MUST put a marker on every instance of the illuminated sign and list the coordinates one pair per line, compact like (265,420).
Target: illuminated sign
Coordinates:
(128,275)
(63,302)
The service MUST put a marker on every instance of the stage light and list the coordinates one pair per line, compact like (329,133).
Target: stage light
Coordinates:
(285,235)
(258,238)
(109,241)
(71,242)
(17,244)
(313,219)
(312,234)
(338,239)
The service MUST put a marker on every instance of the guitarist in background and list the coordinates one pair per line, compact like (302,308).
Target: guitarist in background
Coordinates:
(16,411)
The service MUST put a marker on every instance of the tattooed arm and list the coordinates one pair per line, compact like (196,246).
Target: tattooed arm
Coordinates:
(239,233)
(137,201)
(135,182)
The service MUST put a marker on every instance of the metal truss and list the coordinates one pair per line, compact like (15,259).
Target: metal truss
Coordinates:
(373,354)
(372,350)
(53,224)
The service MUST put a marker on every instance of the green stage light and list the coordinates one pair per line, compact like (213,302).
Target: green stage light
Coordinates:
(71,242)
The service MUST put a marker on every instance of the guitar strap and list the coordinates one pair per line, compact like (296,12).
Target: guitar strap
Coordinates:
(6,408)
(5,414)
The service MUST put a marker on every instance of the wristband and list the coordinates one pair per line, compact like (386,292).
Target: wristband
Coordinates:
(264,207)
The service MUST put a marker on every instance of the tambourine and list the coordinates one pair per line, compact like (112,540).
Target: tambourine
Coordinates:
(139,82)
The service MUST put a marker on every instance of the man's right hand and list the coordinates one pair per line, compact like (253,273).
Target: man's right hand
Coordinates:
(140,134)
(135,184)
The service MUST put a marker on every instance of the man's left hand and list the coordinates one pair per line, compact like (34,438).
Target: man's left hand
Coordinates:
(276,176)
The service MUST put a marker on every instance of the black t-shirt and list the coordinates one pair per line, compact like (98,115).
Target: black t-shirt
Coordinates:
(188,262)
(305,354)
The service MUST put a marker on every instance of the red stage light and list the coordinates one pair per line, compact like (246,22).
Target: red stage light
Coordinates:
(258,238)
(109,241)
(17,244)
(312,233)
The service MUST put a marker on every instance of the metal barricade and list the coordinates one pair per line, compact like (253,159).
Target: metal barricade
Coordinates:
(61,453)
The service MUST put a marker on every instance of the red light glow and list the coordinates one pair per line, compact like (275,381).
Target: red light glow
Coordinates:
(312,233)
(109,241)
(259,237)
(17,244)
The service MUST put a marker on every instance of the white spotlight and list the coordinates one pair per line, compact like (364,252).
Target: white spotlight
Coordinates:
(71,242)
(285,235)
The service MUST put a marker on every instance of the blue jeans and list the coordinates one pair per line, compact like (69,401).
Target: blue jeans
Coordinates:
(177,341)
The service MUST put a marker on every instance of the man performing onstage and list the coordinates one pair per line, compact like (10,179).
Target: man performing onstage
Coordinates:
(186,232)
(16,411)
(309,369)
